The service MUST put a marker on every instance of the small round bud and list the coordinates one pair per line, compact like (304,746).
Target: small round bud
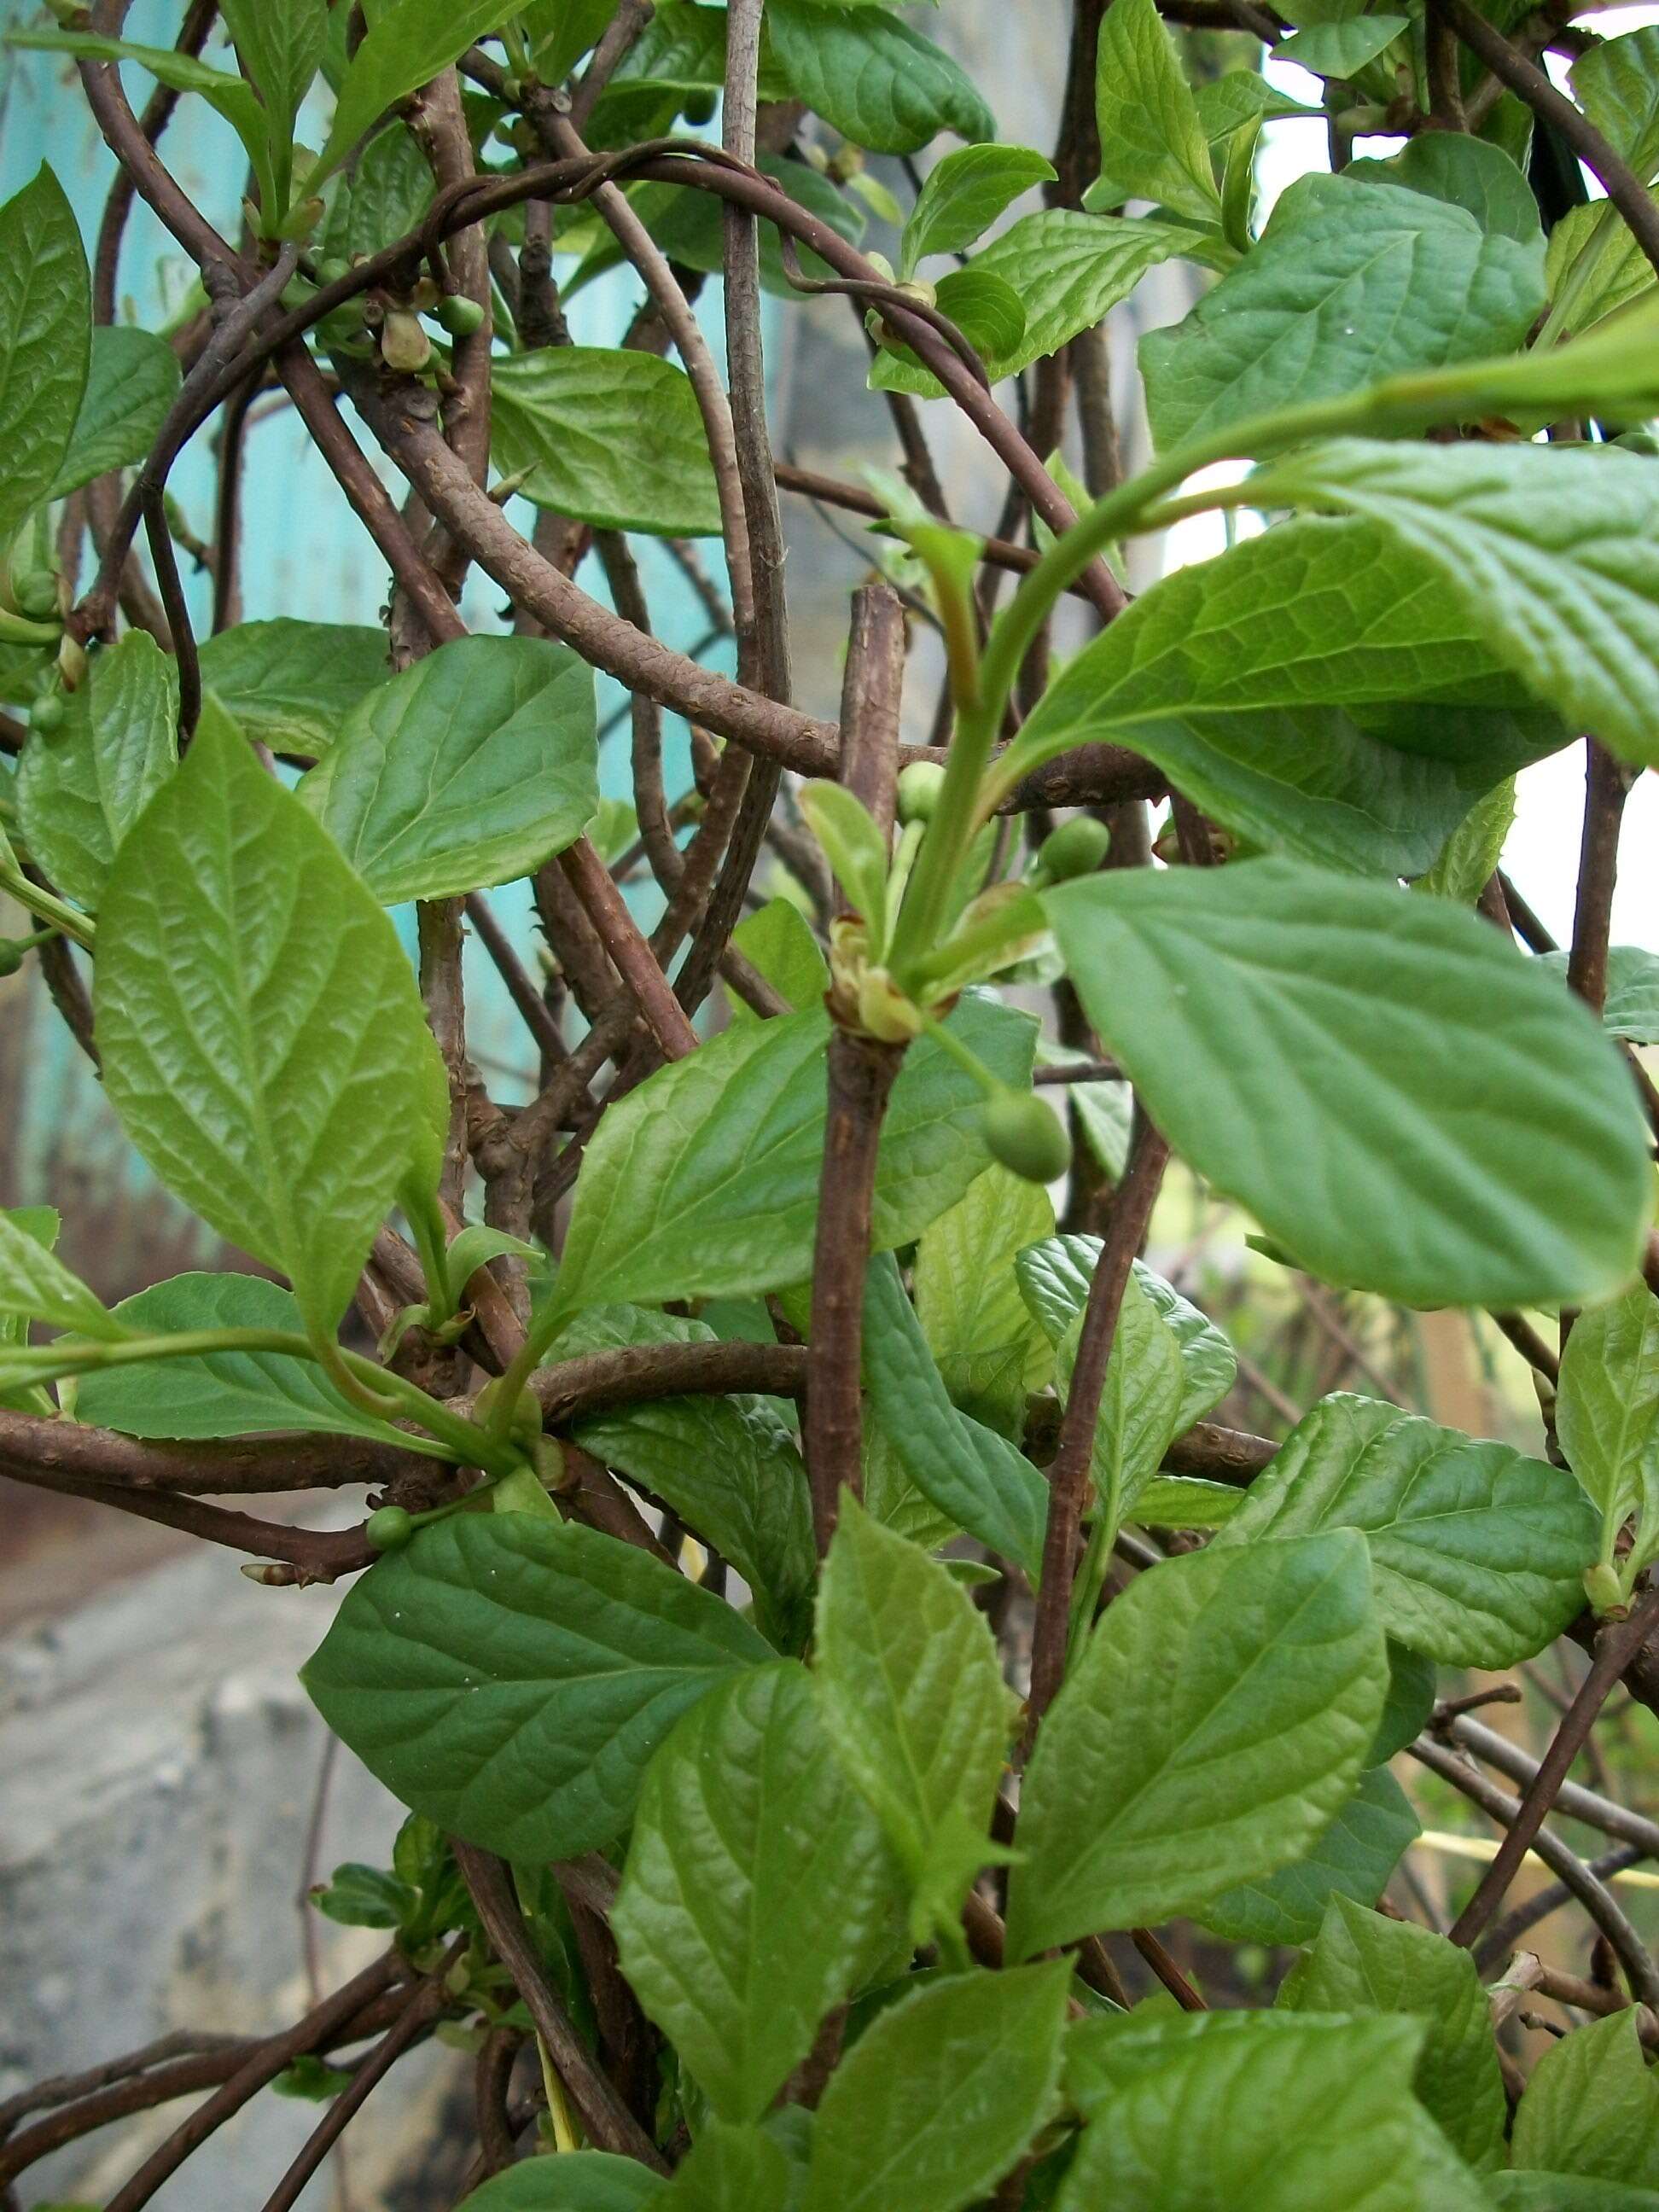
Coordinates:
(47,713)
(1026,1136)
(36,593)
(388,1529)
(461,317)
(1076,848)
(919,787)
(404,345)
(14,951)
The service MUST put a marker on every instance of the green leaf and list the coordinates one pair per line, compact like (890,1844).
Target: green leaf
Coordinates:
(731,2169)
(36,1286)
(1632,1009)
(964,193)
(1552,553)
(409,43)
(562,30)
(218,1393)
(704,1182)
(470,768)
(1354,1858)
(1592,2107)
(1481,1132)
(1184,1501)
(1230,103)
(985,308)
(1053,1279)
(1607,1411)
(847,833)
(1477,1551)
(778,940)
(1342,49)
(614,439)
(292,685)
(1593,266)
(1364,1963)
(263,1038)
(280,45)
(1413,1685)
(1069,271)
(972,1474)
(967,1298)
(911,1690)
(1468,173)
(941,2094)
(42,1223)
(1566,2192)
(46,325)
(1216,2111)
(872,77)
(758,1892)
(1349,284)
(1216,1722)
(511,1676)
(80,787)
(688,225)
(132,379)
(578,2181)
(1471,854)
(388,192)
(728,1466)
(1152,145)
(1139,1407)
(1617,85)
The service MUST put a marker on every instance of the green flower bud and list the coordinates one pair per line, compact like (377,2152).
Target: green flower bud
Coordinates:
(919,787)
(404,345)
(14,951)
(1026,1136)
(1603,1590)
(1076,848)
(388,1529)
(461,317)
(331,268)
(47,712)
(36,593)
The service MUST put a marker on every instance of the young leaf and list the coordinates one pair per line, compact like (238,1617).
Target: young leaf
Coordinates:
(853,845)
(988,1349)
(614,439)
(292,685)
(758,1892)
(1477,1551)
(1481,1133)
(511,1676)
(1350,283)
(218,1393)
(388,192)
(964,194)
(1472,852)
(704,1182)
(1342,49)
(779,941)
(1152,145)
(1632,1009)
(731,2169)
(579,2181)
(36,1286)
(263,1038)
(1219,1719)
(1354,1858)
(1552,553)
(911,1695)
(409,43)
(46,325)
(1362,1963)
(280,45)
(941,2095)
(872,77)
(1185,1501)
(1140,1406)
(133,379)
(1053,1279)
(80,787)
(1592,2107)
(1607,1411)
(470,768)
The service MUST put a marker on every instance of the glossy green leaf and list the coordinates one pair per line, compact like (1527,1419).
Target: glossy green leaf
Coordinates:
(1592,2107)
(972,1475)
(45,326)
(280,45)
(1413,1687)
(1216,1722)
(729,1466)
(615,438)
(578,2181)
(911,1695)
(1477,1551)
(389,190)
(704,1182)
(1354,1858)
(511,1676)
(81,786)
(218,1393)
(292,685)
(964,194)
(1341,49)
(1606,1412)
(940,2095)
(1139,1405)
(36,1286)
(989,1349)
(1469,172)
(1350,283)
(1152,145)
(1481,1133)
(731,2169)
(133,379)
(873,78)
(562,30)
(263,1038)
(1183,1501)
(758,1892)
(409,43)
(1213,2111)
(1631,1009)
(1227,104)
(778,939)
(1053,1279)
(1552,555)
(470,768)
(1364,1963)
